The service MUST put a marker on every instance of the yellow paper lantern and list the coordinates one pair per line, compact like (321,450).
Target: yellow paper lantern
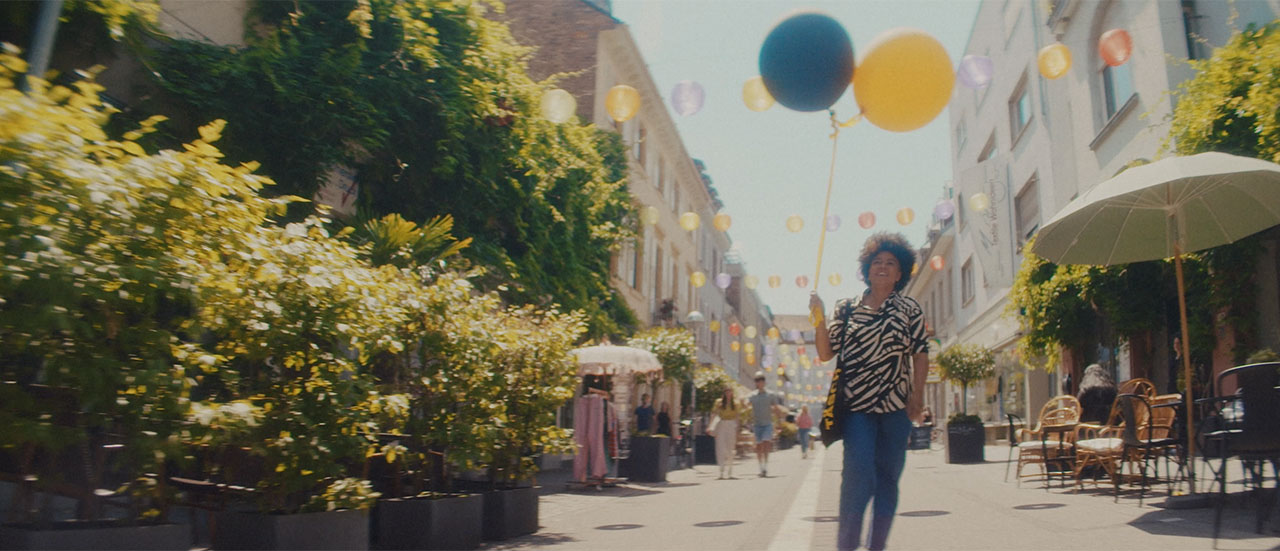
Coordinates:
(773,333)
(755,95)
(558,105)
(751,359)
(750,281)
(795,223)
(903,80)
(750,331)
(937,263)
(782,372)
(906,216)
(979,202)
(749,348)
(690,221)
(649,215)
(622,102)
(735,346)
(775,281)
(779,381)
(714,325)
(721,222)
(834,279)
(1054,60)
(698,279)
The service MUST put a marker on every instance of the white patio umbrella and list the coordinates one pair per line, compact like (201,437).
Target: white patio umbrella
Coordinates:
(1164,209)
(608,359)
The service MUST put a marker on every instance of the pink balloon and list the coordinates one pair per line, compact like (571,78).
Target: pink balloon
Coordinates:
(687,97)
(1115,46)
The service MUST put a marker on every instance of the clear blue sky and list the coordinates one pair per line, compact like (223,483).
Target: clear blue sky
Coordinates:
(770,165)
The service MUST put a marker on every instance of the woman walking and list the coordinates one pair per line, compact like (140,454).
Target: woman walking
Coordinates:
(726,431)
(879,340)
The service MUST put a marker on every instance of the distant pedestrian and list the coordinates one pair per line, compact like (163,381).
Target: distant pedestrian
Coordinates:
(879,340)
(804,424)
(644,415)
(725,430)
(764,405)
(664,420)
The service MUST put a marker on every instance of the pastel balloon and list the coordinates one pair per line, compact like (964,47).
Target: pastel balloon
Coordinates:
(906,216)
(1054,60)
(795,335)
(622,102)
(770,349)
(795,223)
(773,333)
(975,71)
(687,97)
(698,279)
(835,279)
(750,331)
(775,281)
(749,348)
(690,221)
(806,61)
(721,222)
(649,215)
(1115,46)
(734,328)
(867,220)
(937,263)
(723,280)
(779,381)
(558,105)
(802,281)
(735,346)
(755,95)
(833,222)
(903,79)
(979,202)
(944,210)
(750,281)
(714,325)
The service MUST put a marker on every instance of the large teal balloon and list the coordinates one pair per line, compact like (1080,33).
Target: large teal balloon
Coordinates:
(806,61)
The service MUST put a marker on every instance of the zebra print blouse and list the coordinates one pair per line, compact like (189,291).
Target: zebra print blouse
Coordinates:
(874,350)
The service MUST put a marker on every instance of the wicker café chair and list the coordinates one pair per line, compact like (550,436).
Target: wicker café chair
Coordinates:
(1099,446)
(1063,410)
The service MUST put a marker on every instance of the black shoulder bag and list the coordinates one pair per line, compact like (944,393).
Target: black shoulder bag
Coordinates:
(831,428)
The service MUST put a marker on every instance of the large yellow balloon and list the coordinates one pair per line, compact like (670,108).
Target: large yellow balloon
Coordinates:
(690,221)
(721,222)
(698,279)
(649,215)
(903,80)
(1054,60)
(558,105)
(755,95)
(622,102)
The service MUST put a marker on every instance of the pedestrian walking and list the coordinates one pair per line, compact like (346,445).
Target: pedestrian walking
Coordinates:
(804,424)
(764,405)
(725,430)
(879,340)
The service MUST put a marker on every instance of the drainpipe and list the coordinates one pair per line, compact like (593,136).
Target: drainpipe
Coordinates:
(42,41)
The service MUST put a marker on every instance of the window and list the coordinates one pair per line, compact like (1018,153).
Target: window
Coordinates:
(641,147)
(1027,205)
(1019,109)
(1191,28)
(966,282)
(657,272)
(989,149)
(960,135)
(1117,84)
(657,174)
(637,267)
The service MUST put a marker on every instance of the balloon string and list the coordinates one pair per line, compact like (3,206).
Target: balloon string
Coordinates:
(815,316)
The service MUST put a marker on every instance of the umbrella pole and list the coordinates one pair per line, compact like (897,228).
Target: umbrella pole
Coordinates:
(1186,367)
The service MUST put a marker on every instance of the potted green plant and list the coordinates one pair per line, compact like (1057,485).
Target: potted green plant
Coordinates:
(674,347)
(102,250)
(964,364)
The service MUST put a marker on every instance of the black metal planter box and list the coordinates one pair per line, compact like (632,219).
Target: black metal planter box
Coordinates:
(706,452)
(964,443)
(445,522)
(648,459)
(328,530)
(510,513)
(97,535)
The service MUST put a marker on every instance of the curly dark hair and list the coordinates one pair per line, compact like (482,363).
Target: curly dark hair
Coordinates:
(898,246)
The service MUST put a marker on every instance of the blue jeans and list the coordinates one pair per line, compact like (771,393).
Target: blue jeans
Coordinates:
(803,434)
(875,449)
